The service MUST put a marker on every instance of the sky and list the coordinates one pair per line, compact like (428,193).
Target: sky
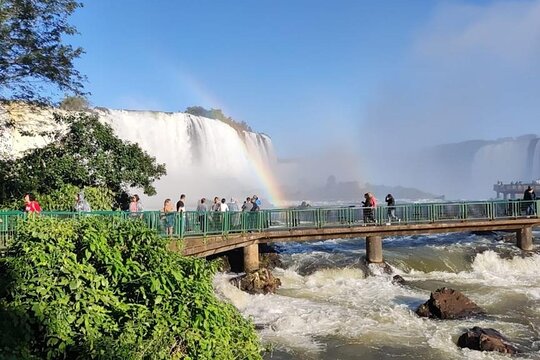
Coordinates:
(352,77)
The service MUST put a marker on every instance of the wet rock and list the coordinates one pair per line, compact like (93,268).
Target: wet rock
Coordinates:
(270,260)
(485,339)
(447,303)
(398,280)
(259,282)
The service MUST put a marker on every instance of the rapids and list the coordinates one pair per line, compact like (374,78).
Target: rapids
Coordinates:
(332,306)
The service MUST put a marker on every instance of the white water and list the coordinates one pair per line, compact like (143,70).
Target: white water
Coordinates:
(203,157)
(337,311)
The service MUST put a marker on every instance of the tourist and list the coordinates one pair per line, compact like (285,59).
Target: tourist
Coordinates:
(257,201)
(167,216)
(81,204)
(255,204)
(181,208)
(31,205)
(135,207)
(223,206)
(529,197)
(138,203)
(369,205)
(216,206)
(391,203)
(247,204)
(201,210)
(181,204)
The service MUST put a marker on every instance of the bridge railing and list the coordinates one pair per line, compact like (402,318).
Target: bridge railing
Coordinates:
(193,223)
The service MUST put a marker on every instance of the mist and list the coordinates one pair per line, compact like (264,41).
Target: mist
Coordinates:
(471,73)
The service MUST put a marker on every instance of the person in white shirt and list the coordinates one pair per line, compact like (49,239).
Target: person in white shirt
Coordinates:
(223,206)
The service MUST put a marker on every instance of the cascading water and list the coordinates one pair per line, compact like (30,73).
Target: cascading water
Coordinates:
(204,157)
(506,160)
(468,170)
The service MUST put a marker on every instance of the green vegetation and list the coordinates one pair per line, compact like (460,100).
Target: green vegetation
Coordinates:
(88,154)
(218,115)
(91,288)
(63,199)
(75,103)
(33,57)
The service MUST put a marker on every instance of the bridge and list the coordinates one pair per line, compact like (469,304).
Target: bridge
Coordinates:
(209,233)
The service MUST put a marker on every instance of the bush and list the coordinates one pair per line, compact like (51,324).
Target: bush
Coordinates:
(99,198)
(101,289)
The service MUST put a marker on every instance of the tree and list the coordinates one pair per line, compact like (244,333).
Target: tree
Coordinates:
(87,154)
(218,114)
(32,55)
(74,103)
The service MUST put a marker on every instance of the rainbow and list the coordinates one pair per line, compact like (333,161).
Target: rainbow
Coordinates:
(263,170)
(267,179)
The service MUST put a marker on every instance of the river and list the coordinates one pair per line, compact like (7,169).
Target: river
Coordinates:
(332,306)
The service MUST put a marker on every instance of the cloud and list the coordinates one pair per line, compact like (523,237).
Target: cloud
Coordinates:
(470,73)
(507,32)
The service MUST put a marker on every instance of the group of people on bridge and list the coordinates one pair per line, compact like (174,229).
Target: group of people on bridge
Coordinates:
(251,204)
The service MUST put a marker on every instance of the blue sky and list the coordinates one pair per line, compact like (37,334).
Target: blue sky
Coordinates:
(316,72)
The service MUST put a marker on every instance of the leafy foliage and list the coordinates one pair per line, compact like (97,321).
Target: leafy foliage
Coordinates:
(74,103)
(32,54)
(218,115)
(88,154)
(63,199)
(92,288)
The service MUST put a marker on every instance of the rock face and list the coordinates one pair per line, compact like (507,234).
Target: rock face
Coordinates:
(259,282)
(398,280)
(447,303)
(487,339)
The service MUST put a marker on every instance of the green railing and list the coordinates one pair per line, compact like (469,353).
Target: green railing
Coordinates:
(192,223)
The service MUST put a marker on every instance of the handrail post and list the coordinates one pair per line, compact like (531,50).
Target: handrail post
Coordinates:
(181,224)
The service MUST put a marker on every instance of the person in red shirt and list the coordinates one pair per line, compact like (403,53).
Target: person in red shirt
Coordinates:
(30,204)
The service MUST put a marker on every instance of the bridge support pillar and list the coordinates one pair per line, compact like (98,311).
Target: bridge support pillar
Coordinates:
(251,258)
(524,238)
(374,249)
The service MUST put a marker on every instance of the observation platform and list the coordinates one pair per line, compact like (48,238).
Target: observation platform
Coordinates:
(513,190)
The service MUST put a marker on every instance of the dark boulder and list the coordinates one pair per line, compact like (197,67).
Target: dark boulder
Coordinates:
(398,280)
(447,303)
(259,282)
(486,339)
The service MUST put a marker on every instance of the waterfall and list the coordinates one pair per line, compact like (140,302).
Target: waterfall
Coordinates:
(505,160)
(204,157)
(535,159)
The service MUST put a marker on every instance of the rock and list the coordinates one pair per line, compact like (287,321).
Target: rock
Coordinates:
(259,282)
(398,280)
(270,260)
(486,339)
(447,303)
